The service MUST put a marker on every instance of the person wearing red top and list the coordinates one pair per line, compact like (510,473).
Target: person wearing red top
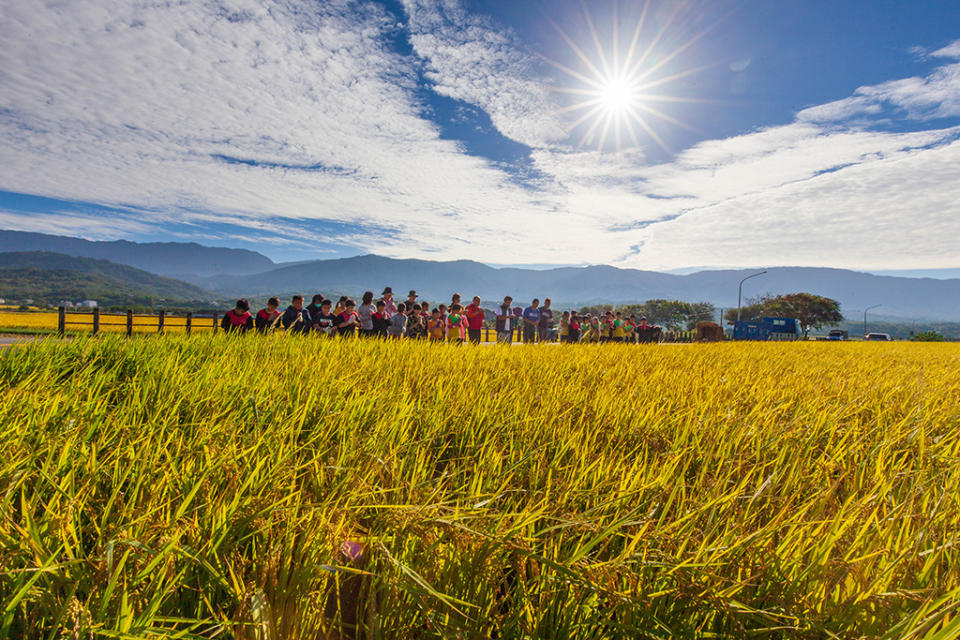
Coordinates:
(238,319)
(475,316)
(267,318)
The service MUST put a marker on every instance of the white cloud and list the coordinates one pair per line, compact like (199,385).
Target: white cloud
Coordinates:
(934,96)
(471,59)
(266,115)
(952,50)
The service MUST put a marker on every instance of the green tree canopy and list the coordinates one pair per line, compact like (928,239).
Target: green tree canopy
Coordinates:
(810,310)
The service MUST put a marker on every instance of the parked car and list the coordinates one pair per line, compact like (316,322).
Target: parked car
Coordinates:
(883,337)
(837,334)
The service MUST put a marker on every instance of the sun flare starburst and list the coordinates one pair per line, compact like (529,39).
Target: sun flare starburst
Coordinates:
(618,86)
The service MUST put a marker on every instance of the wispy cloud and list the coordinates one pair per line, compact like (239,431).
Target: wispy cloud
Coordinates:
(270,116)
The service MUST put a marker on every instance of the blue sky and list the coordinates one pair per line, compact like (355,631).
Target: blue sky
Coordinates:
(752,133)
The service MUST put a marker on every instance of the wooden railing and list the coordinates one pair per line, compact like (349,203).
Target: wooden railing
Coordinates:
(98,320)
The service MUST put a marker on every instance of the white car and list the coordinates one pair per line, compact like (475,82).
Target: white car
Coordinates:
(883,337)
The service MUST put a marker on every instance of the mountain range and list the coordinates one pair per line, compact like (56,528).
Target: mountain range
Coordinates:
(51,277)
(172,259)
(236,272)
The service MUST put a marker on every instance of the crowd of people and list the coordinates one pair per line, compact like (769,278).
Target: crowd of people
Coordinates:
(384,317)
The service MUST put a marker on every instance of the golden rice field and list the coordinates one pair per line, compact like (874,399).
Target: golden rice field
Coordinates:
(285,488)
(82,322)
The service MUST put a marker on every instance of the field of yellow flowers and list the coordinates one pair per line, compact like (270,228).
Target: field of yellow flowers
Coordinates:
(282,488)
(82,322)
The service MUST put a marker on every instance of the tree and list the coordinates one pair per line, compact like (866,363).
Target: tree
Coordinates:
(928,336)
(810,310)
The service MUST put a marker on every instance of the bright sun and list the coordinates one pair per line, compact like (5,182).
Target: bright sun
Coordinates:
(616,95)
(619,85)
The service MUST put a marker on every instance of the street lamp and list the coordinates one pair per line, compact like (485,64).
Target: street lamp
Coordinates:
(740,290)
(865,318)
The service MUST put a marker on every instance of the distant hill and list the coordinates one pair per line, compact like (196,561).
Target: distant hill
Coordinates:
(51,277)
(184,260)
(900,297)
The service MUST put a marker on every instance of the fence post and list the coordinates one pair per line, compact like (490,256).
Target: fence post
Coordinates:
(61,321)
(96,320)
(160,318)
(129,323)
(189,321)
(214,321)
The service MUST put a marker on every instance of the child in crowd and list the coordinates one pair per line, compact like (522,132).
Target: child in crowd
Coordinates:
(381,321)
(238,319)
(314,307)
(341,305)
(398,322)
(456,324)
(416,327)
(564,334)
(348,319)
(617,332)
(326,322)
(268,318)
(593,332)
(574,335)
(435,326)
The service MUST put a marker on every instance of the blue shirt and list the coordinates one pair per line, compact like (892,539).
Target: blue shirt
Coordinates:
(531,314)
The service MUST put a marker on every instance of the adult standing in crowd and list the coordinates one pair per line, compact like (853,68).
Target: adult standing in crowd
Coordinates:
(365,313)
(545,326)
(296,318)
(238,319)
(504,320)
(387,297)
(531,321)
(411,300)
(267,317)
(475,317)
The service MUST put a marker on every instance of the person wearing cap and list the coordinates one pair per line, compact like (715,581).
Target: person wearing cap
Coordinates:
(411,300)
(387,297)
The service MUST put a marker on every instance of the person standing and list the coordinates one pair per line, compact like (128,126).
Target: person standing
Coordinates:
(398,322)
(531,320)
(296,319)
(314,307)
(238,319)
(504,320)
(268,317)
(365,313)
(475,316)
(411,300)
(545,326)
(348,321)
(381,321)
(326,322)
(416,325)
(387,297)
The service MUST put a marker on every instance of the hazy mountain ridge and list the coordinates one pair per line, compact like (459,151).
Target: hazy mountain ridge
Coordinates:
(435,281)
(51,277)
(172,259)
(237,272)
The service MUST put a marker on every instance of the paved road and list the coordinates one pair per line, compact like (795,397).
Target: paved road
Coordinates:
(11,339)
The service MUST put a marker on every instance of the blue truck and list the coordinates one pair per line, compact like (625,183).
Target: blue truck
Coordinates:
(767,329)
